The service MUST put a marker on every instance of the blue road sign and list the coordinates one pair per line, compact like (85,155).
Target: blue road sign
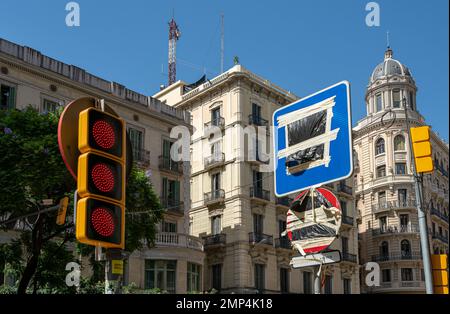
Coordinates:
(312,140)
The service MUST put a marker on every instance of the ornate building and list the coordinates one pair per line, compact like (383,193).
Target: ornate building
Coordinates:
(384,184)
(234,207)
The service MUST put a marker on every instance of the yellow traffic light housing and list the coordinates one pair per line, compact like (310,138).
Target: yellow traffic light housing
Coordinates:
(420,137)
(101,181)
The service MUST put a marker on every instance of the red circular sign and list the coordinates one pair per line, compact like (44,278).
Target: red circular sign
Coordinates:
(313,220)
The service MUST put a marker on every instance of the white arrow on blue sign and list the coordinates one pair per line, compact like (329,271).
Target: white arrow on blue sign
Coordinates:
(313,140)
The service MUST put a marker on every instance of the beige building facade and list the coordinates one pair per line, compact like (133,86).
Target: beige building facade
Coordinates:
(233,205)
(384,183)
(176,263)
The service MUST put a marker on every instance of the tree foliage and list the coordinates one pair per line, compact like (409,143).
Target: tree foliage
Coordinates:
(31,169)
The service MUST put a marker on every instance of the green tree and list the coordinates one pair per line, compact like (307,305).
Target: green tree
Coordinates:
(31,169)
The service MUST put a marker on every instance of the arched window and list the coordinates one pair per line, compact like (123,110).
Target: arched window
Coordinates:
(384,250)
(405,247)
(379,146)
(399,143)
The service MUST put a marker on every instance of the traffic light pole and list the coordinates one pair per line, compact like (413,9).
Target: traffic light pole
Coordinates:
(424,244)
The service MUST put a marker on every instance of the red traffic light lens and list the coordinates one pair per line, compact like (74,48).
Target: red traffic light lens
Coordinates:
(103,177)
(103,133)
(103,221)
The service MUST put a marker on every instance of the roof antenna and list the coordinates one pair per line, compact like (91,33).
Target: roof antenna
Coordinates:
(221,42)
(387,39)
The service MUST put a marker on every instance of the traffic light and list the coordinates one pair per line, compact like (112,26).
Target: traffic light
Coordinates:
(420,137)
(101,179)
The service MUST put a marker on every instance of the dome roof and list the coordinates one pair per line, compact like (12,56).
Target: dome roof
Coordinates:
(389,66)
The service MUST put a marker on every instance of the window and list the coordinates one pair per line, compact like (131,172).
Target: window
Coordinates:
(215,182)
(328,289)
(160,274)
(379,105)
(49,105)
(7,96)
(215,116)
(307,282)
(259,278)
(137,143)
(379,146)
(396,98)
(399,143)
(343,207)
(217,277)
(347,286)
(402,196)
(405,247)
(382,198)
(258,223)
(168,226)
(383,223)
(400,168)
(216,227)
(411,100)
(284,280)
(193,277)
(170,193)
(404,221)
(281,227)
(407,274)
(344,241)
(384,250)
(256,113)
(381,171)
(386,275)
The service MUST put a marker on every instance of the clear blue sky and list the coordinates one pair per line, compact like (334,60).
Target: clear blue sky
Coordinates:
(302,46)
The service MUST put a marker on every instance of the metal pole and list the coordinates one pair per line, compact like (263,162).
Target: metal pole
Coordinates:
(420,213)
(316,280)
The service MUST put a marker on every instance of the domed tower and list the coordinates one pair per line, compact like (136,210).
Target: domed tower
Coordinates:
(389,84)
(384,183)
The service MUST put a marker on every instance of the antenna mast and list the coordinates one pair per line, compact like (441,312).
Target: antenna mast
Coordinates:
(174,35)
(221,42)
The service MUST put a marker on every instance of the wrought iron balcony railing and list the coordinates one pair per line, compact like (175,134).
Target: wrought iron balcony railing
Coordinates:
(166,163)
(284,201)
(348,220)
(386,206)
(439,237)
(283,243)
(395,229)
(219,122)
(345,189)
(260,193)
(172,205)
(257,120)
(260,238)
(437,213)
(214,160)
(214,196)
(348,257)
(397,256)
(141,155)
(215,239)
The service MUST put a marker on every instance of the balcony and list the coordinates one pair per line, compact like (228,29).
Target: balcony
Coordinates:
(347,220)
(387,206)
(283,243)
(172,206)
(218,122)
(342,188)
(141,156)
(214,197)
(167,164)
(414,284)
(441,215)
(388,230)
(347,257)
(442,170)
(283,201)
(214,160)
(434,189)
(259,194)
(258,121)
(178,240)
(260,238)
(215,240)
(397,256)
(439,237)
(259,158)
